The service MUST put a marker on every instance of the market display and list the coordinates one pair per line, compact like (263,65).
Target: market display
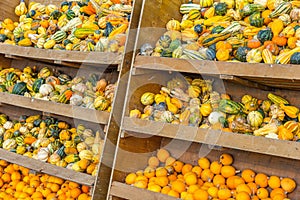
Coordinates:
(241,31)
(74,25)
(193,102)
(17,182)
(53,141)
(217,179)
(48,84)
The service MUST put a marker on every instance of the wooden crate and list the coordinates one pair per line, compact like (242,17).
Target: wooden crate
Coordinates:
(132,157)
(101,117)
(140,138)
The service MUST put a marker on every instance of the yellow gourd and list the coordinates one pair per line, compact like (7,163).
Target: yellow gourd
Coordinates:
(276,26)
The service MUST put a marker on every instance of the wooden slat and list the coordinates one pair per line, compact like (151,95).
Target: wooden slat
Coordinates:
(60,55)
(290,72)
(133,193)
(287,149)
(67,110)
(47,168)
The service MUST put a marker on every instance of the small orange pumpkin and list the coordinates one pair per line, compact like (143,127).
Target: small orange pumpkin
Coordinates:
(280,40)
(253,43)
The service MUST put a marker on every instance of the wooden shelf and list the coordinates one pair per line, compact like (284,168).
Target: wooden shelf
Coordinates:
(61,56)
(125,191)
(273,75)
(91,115)
(215,138)
(47,168)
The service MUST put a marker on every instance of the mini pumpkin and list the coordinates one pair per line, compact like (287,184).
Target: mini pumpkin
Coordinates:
(279,40)
(253,43)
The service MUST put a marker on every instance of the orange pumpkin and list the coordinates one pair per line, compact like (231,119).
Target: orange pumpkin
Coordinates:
(29,140)
(280,40)
(253,43)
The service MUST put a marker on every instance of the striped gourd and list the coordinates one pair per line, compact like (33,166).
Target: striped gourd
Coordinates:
(194,14)
(185,8)
(59,36)
(230,107)
(282,8)
(277,99)
(193,54)
(65,96)
(206,3)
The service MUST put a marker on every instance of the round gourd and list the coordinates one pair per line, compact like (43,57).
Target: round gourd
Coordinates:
(37,84)
(220,9)
(210,54)
(254,56)
(264,35)
(173,25)
(295,58)
(19,88)
(214,117)
(45,89)
(165,41)
(198,28)
(255,118)
(147,98)
(241,53)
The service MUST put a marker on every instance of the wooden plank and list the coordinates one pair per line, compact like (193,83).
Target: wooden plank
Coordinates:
(60,56)
(244,82)
(282,148)
(259,70)
(133,193)
(47,168)
(67,110)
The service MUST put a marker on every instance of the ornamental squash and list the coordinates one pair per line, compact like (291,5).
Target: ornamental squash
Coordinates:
(45,89)
(230,3)
(284,133)
(206,3)
(223,54)
(279,40)
(241,53)
(100,103)
(295,58)
(254,56)
(220,9)
(267,56)
(37,84)
(19,88)
(276,26)
(173,25)
(264,35)
(147,98)
(255,118)
(205,109)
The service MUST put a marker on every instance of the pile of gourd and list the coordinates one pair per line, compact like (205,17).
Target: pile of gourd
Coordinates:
(17,182)
(90,92)
(218,179)
(53,141)
(193,102)
(233,30)
(74,25)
